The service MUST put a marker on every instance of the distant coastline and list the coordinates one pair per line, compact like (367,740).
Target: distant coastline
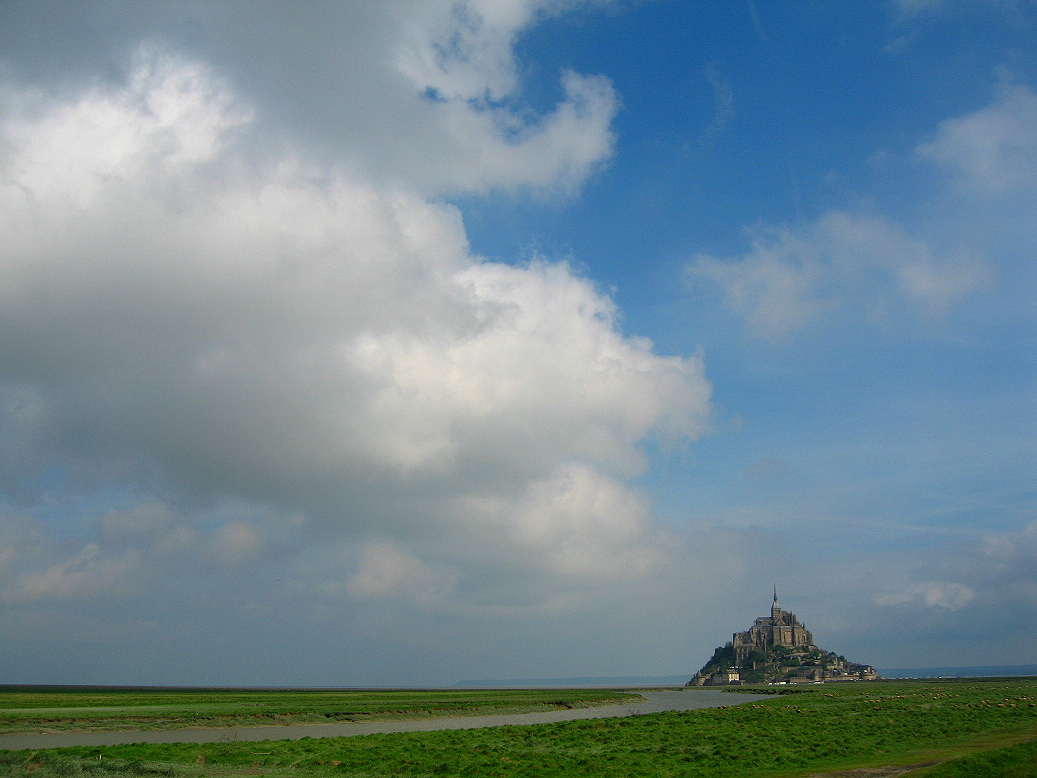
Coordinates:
(976,671)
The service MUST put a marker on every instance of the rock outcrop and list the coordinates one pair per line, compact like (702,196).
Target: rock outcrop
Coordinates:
(777,649)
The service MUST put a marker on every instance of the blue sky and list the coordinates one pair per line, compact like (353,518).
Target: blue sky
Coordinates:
(513,339)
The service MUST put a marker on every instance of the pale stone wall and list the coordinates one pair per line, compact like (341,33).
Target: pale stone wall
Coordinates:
(778,629)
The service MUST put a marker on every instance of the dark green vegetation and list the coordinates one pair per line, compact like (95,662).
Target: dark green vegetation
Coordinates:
(781,663)
(949,725)
(105,709)
(1018,761)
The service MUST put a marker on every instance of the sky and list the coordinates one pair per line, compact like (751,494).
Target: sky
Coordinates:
(413,343)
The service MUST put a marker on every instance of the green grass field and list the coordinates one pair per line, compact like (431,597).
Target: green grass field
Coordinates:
(78,710)
(963,728)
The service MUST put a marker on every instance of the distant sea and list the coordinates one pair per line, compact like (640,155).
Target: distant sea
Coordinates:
(978,671)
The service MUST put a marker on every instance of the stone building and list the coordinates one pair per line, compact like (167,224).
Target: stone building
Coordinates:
(778,629)
(777,649)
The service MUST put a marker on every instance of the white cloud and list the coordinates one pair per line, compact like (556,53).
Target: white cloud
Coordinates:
(172,114)
(538,338)
(774,286)
(561,545)
(557,153)
(427,97)
(914,8)
(177,307)
(237,542)
(1013,548)
(87,575)
(133,553)
(1007,564)
(723,97)
(993,151)
(977,226)
(936,594)
(458,56)
(577,523)
(843,261)
(917,7)
(997,573)
(387,570)
(464,49)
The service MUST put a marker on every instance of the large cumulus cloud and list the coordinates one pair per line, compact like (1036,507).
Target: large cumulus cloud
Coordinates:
(262,350)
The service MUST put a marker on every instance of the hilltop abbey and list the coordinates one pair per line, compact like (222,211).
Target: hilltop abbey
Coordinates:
(777,649)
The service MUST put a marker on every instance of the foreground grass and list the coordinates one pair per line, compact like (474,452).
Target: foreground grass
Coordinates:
(25,710)
(826,729)
(1017,761)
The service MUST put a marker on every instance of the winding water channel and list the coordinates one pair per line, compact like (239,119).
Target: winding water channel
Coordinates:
(654,702)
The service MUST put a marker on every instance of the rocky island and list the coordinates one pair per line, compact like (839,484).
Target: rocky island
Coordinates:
(777,649)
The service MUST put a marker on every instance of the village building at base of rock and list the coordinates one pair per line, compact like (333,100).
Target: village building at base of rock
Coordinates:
(777,649)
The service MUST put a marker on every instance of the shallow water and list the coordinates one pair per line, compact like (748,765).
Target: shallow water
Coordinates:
(654,702)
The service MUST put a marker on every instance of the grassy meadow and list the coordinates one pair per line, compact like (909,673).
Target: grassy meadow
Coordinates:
(942,728)
(77,709)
